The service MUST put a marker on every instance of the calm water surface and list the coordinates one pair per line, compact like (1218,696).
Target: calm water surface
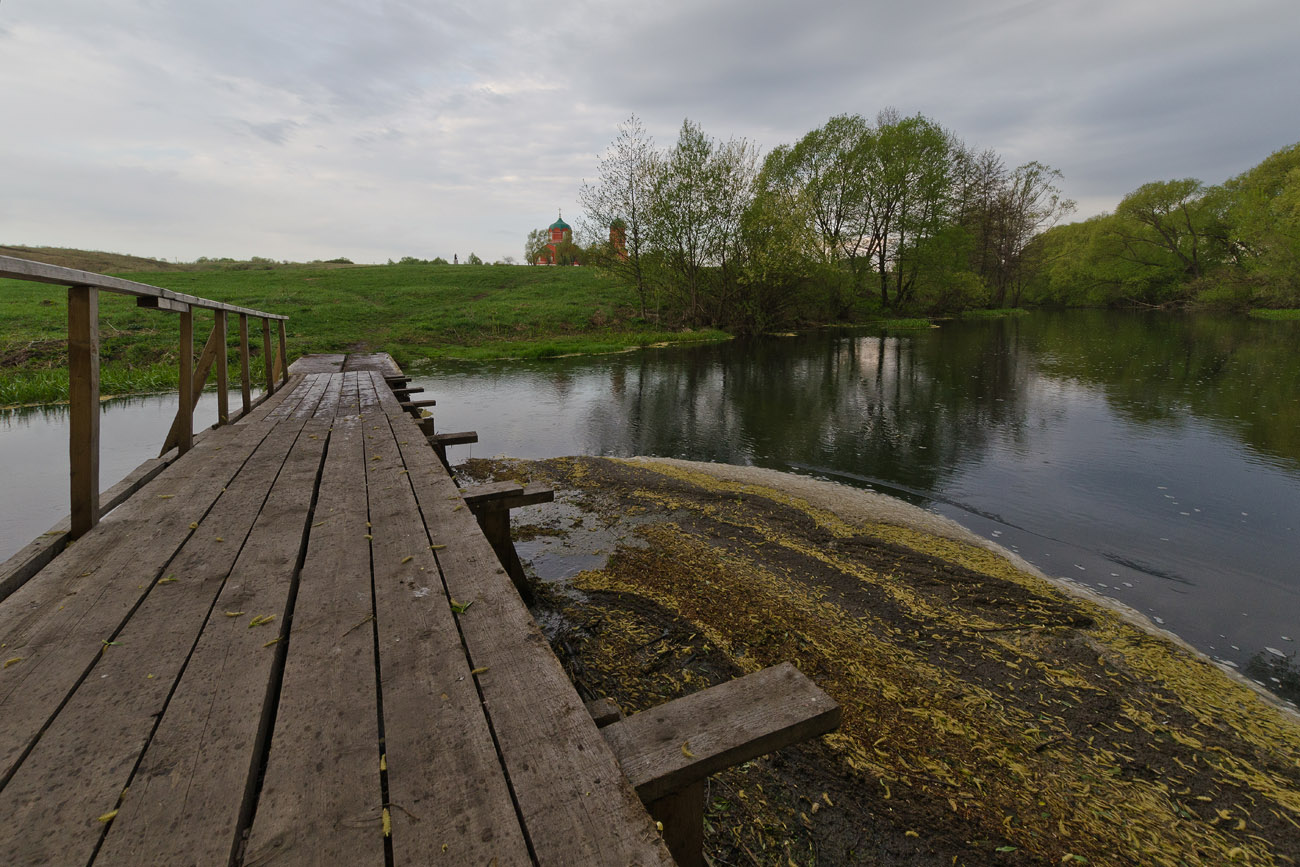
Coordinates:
(1154,458)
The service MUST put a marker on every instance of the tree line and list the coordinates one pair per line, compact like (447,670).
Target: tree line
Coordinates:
(858,217)
(1181,241)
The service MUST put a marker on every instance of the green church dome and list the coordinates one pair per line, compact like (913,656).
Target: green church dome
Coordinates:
(559,224)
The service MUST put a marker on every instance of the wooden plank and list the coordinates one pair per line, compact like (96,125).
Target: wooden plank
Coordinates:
(507,495)
(58,622)
(490,491)
(318,363)
(245,380)
(196,781)
(417,404)
(223,370)
(444,777)
(269,403)
(185,409)
(577,806)
(459,438)
(83,412)
(312,388)
(381,362)
(721,726)
(86,754)
(267,359)
(321,801)
(167,304)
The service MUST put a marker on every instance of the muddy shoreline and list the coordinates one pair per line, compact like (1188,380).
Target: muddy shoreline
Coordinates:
(991,716)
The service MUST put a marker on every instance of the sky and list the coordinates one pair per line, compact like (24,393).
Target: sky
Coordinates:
(377,129)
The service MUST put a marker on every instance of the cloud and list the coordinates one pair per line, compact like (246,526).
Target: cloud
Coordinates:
(382,128)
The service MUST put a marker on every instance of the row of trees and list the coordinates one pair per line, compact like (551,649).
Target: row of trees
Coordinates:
(1173,242)
(895,213)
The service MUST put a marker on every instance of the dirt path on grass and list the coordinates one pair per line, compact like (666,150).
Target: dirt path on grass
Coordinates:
(990,716)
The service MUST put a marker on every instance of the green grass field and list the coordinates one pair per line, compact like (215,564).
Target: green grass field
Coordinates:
(409,311)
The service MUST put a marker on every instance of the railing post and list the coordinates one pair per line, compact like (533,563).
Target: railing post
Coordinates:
(185,412)
(223,371)
(284,355)
(245,379)
(83,415)
(266,355)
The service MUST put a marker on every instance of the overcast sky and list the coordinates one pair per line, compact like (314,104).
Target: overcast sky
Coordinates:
(303,129)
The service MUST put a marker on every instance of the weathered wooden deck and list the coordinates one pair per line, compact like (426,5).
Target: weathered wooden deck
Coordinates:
(294,645)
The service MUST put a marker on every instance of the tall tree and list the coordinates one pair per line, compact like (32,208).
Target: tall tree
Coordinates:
(1028,202)
(626,178)
(909,182)
(699,197)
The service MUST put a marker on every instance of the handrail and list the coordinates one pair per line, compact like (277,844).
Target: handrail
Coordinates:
(83,366)
(39,272)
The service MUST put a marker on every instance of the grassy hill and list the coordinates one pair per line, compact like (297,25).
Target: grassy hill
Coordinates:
(90,260)
(409,311)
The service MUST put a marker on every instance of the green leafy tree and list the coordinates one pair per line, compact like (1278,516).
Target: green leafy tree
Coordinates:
(1165,227)
(696,205)
(536,246)
(473,260)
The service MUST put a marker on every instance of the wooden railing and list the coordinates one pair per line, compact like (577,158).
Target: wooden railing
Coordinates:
(83,366)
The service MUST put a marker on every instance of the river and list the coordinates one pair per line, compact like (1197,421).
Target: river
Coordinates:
(1153,457)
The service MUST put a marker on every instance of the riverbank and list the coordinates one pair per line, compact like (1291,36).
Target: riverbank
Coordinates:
(991,716)
(412,312)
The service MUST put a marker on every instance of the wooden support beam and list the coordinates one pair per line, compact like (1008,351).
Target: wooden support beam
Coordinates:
(399,392)
(459,438)
(426,426)
(682,817)
(396,380)
(282,360)
(214,346)
(223,368)
(83,414)
(441,441)
(416,404)
(491,505)
(245,379)
(266,356)
(604,711)
(184,423)
(666,752)
(499,496)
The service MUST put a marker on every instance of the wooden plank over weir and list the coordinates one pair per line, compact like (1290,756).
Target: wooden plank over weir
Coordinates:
(433,716)
(576,804)
(321,801)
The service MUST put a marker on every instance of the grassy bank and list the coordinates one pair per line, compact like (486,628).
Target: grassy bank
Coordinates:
(1283,315)
(409,311)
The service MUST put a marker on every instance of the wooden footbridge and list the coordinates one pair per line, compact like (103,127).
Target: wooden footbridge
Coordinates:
(295,640)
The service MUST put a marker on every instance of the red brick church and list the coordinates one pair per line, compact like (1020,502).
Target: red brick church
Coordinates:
(557,232)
